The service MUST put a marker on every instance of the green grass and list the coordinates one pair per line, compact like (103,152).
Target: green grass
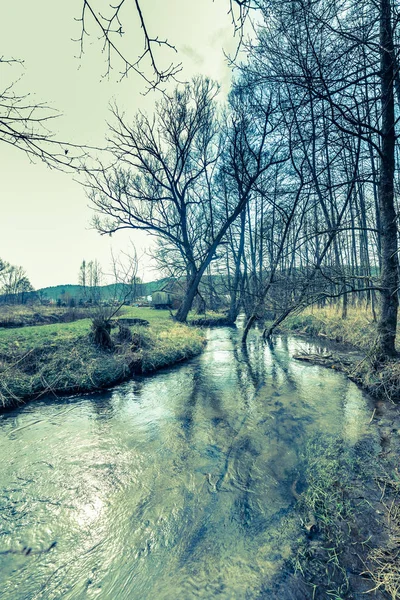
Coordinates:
(27,337)
(61,358)
(150,314)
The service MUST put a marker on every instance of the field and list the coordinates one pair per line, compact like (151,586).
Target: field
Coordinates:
(62,358)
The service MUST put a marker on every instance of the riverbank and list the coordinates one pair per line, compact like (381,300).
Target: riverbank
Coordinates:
(62,358)
(353,503)
(355,353)
(226,448)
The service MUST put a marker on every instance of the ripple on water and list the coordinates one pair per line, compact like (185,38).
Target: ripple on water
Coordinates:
(173,486)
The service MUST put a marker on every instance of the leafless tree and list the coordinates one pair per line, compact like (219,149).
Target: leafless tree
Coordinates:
(14,283)
(166,172)
(124,280)
(334,65)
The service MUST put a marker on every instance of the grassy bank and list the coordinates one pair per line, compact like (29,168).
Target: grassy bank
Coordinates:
(16,315)
(345,515)
(358,330)
(209,319)
(62,358)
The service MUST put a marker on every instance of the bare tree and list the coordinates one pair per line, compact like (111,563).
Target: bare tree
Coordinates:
(14,283)
(91,278)
(124,279)
(165,178)
(336,63)
(82,277)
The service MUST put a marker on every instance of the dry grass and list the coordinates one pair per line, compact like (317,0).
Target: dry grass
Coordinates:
(358,329)
(385,571)
(382,380)
(384,563)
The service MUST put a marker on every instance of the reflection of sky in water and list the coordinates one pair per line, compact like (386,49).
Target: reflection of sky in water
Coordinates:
(88,514)
(221,356)
(172,486)
(354,414)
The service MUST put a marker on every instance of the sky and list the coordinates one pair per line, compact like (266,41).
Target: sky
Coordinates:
(45,219)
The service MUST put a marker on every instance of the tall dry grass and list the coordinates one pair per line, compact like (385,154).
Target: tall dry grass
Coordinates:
(358,329)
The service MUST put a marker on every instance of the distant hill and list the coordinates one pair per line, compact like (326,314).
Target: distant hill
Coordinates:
(107,292)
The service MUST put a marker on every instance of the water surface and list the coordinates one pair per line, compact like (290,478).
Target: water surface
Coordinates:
(178,485)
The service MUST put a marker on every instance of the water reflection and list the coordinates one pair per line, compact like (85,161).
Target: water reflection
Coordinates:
(173,486)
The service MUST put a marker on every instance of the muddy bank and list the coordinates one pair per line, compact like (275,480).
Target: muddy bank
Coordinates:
(347,512)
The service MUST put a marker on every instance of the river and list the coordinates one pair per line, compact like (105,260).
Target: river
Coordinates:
(178,485)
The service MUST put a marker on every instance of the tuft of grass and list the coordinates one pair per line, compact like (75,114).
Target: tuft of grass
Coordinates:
(385,570)
(209,319)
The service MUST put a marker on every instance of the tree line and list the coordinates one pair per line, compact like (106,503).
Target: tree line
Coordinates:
(287,191)
(14,283)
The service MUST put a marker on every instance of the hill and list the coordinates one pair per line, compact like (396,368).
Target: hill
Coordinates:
(106,292)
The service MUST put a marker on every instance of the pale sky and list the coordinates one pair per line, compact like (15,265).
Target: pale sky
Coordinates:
(45,218)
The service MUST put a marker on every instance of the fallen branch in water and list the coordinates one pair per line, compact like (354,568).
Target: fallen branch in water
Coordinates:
(325,360)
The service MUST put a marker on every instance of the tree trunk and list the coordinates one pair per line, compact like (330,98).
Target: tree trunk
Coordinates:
(191,291)
(234,304)
(389,275)
(344,306)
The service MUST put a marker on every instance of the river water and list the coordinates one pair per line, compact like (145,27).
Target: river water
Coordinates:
(174,486)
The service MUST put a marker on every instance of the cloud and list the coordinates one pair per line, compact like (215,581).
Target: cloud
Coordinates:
(193,55)
(223,37)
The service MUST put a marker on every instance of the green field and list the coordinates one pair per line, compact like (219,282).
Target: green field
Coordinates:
(37,335)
